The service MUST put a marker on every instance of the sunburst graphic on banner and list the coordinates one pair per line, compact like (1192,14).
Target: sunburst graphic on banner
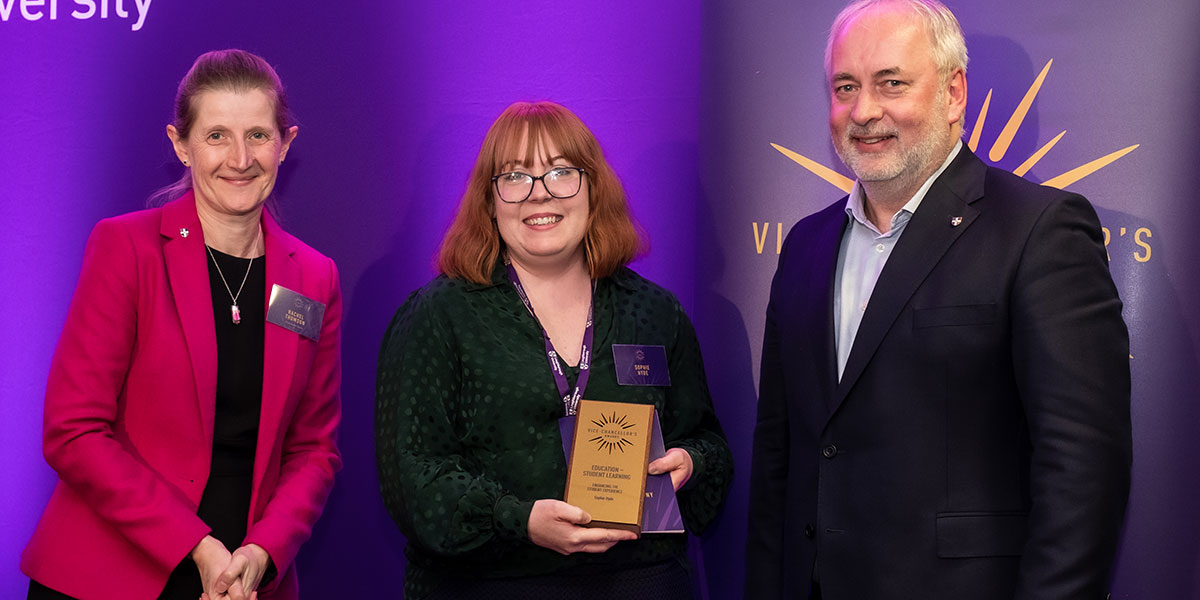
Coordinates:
(995,153)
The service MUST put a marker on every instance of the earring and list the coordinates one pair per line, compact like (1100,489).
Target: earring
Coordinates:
(185,163)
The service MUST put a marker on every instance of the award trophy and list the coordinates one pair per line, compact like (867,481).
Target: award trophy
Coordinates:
(606,470)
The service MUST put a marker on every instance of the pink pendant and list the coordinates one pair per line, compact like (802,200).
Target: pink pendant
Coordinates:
(237,314)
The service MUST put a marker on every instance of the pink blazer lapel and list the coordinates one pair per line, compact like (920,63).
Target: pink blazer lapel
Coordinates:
(187,271)
(280,346)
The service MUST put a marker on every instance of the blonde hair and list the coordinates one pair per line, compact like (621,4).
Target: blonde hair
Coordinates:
(235,70)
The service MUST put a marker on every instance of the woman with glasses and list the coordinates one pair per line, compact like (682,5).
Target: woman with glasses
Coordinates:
(478,366)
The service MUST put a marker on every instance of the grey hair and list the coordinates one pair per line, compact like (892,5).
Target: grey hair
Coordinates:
(945,34)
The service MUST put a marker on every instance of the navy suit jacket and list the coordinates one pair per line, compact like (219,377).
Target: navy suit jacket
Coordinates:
(978,443)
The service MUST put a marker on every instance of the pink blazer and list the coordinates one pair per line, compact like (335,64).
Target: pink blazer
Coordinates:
(130,401)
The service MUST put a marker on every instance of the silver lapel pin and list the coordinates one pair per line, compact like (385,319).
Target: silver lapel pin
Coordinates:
(183,231)
(955,221)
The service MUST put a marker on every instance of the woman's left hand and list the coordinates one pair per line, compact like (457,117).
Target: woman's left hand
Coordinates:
(678,463)
(240,579)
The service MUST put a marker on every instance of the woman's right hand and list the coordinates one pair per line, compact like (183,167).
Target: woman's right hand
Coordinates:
(558,526)
(211,558)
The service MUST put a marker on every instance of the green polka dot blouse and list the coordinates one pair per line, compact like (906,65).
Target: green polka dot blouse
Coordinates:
(466,425)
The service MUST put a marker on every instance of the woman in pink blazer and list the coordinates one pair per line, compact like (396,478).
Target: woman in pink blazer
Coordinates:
(193,401)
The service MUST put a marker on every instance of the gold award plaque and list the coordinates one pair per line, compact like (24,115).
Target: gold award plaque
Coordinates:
(606,474)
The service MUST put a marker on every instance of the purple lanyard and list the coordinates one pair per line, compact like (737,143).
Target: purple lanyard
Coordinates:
(570,399)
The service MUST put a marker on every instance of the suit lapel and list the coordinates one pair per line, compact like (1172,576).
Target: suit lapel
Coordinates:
(187,271)
(817,312)
(280,345)
(930,232)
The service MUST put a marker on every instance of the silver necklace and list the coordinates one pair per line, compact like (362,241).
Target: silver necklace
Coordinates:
(233,308)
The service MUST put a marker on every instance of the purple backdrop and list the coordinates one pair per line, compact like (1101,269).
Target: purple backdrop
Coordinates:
(687,98)
(393,101)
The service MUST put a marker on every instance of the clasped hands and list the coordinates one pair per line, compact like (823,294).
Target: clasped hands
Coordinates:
(229,576)
(559,526)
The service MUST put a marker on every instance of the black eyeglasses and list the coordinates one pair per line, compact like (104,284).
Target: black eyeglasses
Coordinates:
(515,187)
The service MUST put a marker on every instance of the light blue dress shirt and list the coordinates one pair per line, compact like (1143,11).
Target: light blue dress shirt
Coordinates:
(864,252)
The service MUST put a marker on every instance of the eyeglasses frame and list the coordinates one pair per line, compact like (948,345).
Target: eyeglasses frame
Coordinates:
(533,184)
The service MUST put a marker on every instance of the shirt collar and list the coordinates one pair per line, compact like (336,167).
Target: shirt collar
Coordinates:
(854,205)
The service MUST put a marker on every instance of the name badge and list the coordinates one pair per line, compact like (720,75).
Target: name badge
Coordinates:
(295,312)
(641,365)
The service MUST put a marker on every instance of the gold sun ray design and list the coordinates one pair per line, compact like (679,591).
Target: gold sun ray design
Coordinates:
(605,442)
(997,151)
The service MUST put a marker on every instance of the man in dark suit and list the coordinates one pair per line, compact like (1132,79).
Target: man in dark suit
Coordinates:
(944,403)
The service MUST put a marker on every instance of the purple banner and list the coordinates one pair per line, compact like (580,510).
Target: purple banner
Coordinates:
(713,113)
(1084,96)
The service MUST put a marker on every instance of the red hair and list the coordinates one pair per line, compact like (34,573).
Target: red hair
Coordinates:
(472,245)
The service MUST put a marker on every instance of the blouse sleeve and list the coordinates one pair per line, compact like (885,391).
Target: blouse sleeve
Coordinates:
(689,422)
(434,491)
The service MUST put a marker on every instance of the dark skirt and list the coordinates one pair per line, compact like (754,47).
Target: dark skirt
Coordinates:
(662,581)
(38,591)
